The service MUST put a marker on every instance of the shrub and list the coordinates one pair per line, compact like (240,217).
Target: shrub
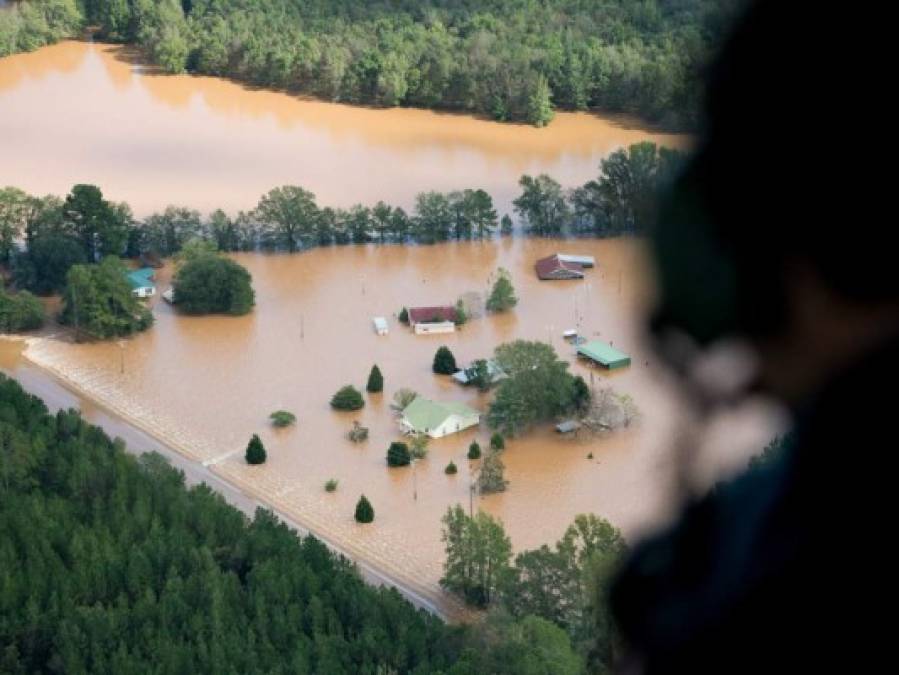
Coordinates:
(398,454)
(347,398)
(444,362)
(212,284)
(418,448)
(497,442)
(365,513)
(404,316)
(282,418)
(375,381)
(461,314)
(358,433)
(330,485)
(474,450)
(502,296)
(255,451)
(451,469)
(402,398)
(19,312)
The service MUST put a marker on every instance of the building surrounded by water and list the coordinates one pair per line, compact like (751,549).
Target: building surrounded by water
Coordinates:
(424,416)
(426,320)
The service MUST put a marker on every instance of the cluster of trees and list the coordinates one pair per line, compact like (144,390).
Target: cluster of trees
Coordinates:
(25,26)
(19,311)
(538,387)
(621,200)
(508,59)
(565,585)
(110,564)
(209,283)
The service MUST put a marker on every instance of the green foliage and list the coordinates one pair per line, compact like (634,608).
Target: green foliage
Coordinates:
(474,450)
(255,453)
(401,399)
(542,205)
(502,295)
(461,314)
(451,469)
(505,225)
(404,316)
(331,485)
(538,387)
(25,26)
(19,312)
(418,446)
(111,564)
(347,398)
(365,512)
(375,381)
(497,442)
(212,284)
(101,229)
(398,454)
(98,301)
(477,556)
(491,477)
(444,362)
(282,418)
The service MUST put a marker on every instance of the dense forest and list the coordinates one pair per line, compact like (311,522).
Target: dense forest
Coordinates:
(506,59)
(108,564)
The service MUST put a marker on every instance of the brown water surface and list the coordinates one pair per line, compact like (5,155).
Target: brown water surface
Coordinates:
(81,112)
(208,383)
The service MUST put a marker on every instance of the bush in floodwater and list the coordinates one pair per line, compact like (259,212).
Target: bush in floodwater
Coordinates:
(255,451)
(444,362)
(474,450)
(347,398)
(358,433)
(398,454)
(451,469)
(497,442)
(282,418)
(330,485)
(365,512)
(375,381)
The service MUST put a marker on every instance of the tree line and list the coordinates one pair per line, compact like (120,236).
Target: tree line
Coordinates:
(507,59)
(111,565)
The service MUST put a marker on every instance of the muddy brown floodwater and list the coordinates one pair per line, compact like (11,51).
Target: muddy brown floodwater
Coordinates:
(206,384)
(80,112)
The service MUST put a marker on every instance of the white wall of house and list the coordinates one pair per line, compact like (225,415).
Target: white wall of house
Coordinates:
(428,328)
(453,424)
(144,291)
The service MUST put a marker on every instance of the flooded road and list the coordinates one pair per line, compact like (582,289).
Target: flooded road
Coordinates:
(206,384)
(78,112)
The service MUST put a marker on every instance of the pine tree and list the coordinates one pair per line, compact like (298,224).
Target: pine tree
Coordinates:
(497,442)
(444,362)
(255,451)
(375,381)
(365,512)
(474,450)
(451,469)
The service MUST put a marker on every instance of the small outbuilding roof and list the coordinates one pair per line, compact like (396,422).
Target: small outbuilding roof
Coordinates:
(424,414)
(582,260)
(552,267)
(604,354)
(142,278)
(432,314)
(568,426)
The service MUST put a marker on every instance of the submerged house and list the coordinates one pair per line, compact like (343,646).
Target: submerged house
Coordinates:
(554,268)
(582,260)
(468,375)
(426,320)
(604,354)
(435,419)
(142,282)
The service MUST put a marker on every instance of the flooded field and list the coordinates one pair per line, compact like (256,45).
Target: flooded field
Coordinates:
(206,384)
(84,113)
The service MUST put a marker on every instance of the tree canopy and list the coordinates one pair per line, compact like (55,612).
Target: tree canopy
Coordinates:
(208,283)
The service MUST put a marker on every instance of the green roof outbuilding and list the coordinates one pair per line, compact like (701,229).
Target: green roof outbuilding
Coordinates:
(142,278)
(604,354)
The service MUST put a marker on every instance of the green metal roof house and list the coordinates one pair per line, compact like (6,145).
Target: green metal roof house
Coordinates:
(142,282)
(424,416)
(604,354)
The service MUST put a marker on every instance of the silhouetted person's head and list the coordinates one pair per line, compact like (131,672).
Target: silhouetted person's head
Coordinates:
(776,233)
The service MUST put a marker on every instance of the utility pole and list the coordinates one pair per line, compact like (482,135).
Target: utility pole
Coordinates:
(414,480)
(121,357)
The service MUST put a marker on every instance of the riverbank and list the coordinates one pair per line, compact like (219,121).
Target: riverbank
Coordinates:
(59,390)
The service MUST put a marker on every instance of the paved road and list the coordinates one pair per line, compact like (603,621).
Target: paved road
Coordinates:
(57,396)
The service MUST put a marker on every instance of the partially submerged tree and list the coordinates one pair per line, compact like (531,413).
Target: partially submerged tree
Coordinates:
(444,362)
(282,418)
(365,512)
(255,453)
(451,469)
(347,398)
(398,454)
(402,398)
(358,433)
(418,446)
(491,477)
(209,283)
(474,450)
(375,381)
(502,295)
(19,311)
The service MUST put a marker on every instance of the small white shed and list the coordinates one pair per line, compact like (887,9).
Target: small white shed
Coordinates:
(380,324)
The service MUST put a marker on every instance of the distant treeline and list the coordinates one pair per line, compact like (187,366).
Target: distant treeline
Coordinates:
(507,59)
(84,227)
(110,565)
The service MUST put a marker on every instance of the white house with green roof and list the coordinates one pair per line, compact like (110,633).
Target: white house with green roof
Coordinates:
(141,282)
(436,419)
